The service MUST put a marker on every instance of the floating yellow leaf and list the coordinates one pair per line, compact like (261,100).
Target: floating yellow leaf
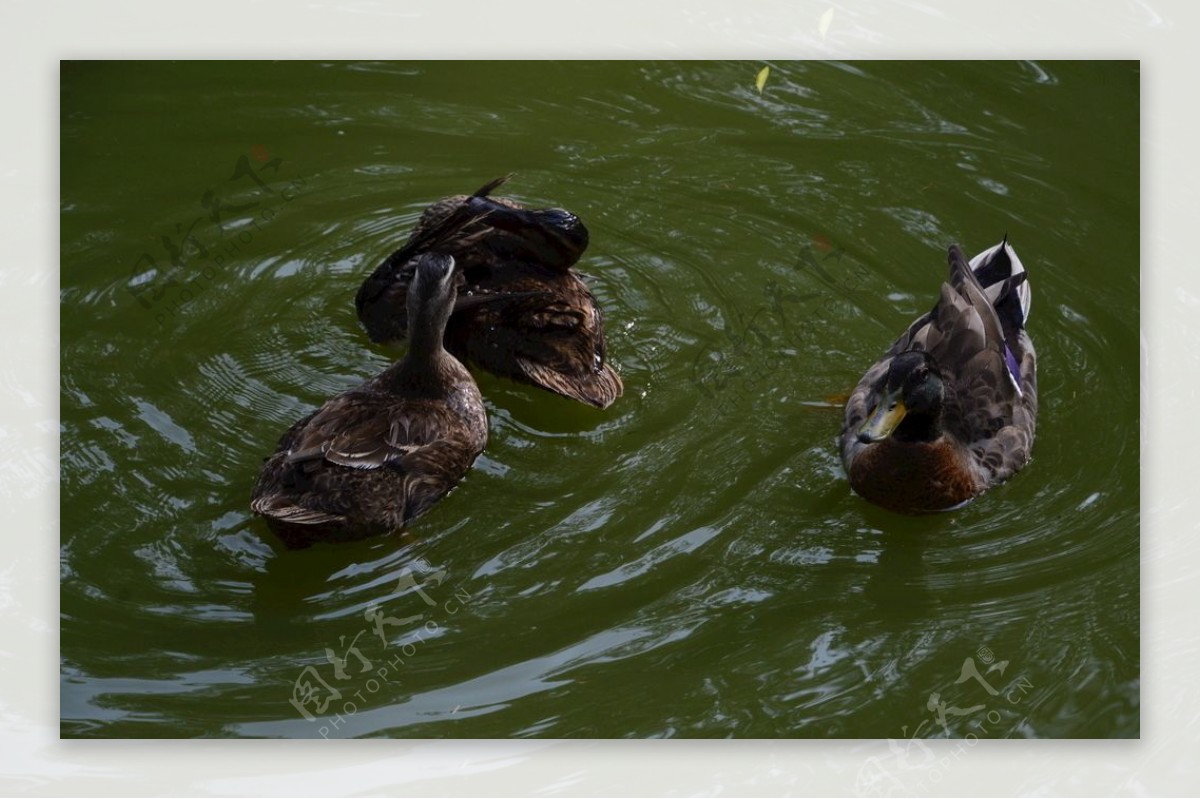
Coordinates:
(761,80)
(826,20)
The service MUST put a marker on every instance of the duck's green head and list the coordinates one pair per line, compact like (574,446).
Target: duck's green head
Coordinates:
(908,406)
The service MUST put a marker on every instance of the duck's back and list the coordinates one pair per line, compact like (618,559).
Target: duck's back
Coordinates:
(995,379)
(368,462)
(537,326)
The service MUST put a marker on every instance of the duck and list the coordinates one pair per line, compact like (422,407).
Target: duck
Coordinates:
(373,458)
(950,410)
(523,312)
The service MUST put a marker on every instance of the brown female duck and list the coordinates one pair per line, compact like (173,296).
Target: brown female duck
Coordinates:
(376,456)
(950,409)
(522,312)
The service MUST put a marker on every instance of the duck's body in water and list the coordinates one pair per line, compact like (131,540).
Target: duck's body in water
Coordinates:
(373,458)
(522,311)
(950,409)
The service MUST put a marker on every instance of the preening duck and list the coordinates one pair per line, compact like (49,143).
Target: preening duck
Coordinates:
(522,311)
(373,458)
(949,411)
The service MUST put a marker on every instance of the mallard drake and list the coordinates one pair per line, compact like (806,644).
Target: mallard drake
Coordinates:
(949,411)
(373,458)
(522,312)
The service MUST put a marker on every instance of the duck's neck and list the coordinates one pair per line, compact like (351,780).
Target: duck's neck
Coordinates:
(919,428)
(425,337)
(427,361)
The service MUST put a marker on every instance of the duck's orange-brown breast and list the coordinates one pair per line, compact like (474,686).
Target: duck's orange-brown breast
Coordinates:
(913,478)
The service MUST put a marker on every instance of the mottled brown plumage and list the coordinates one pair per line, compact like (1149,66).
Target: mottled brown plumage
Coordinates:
(950,409)
(373,458)
(522,312)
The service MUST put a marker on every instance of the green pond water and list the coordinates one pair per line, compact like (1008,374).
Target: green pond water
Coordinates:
(689,562)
